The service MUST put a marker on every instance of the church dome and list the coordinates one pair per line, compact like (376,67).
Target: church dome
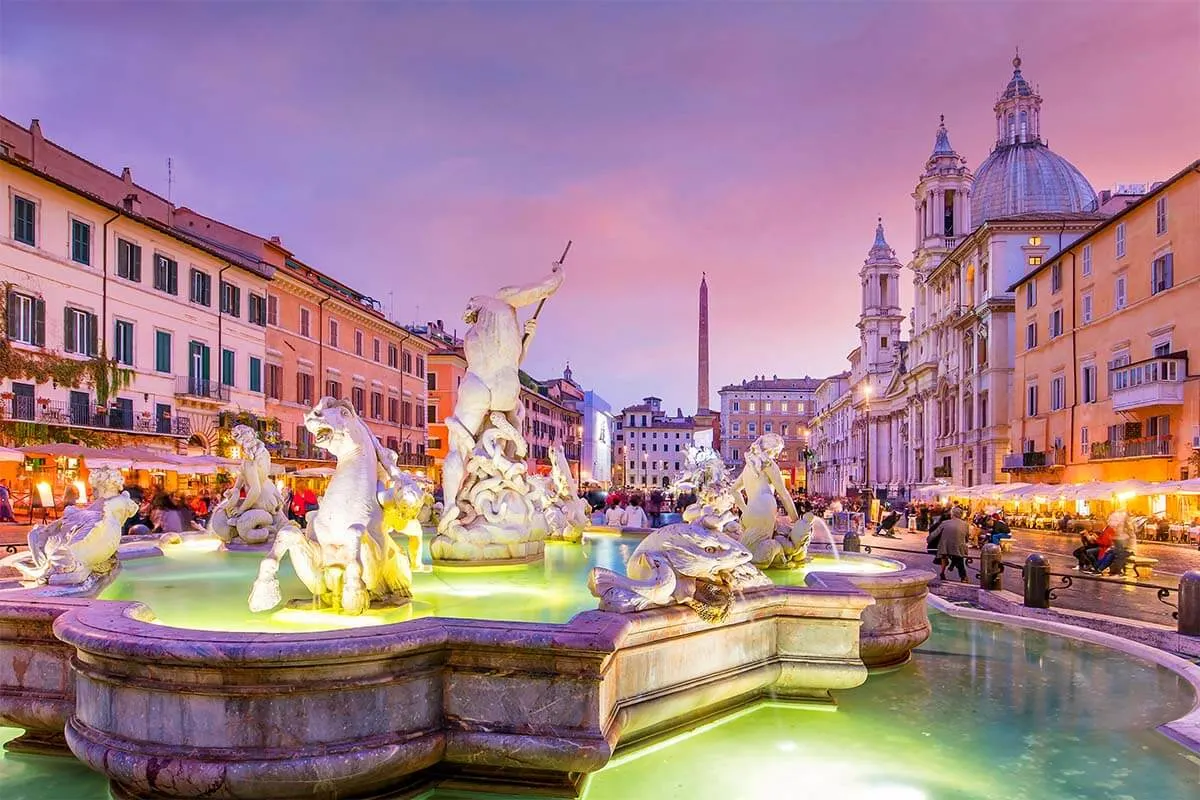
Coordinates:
(1027,177)
(1022,175)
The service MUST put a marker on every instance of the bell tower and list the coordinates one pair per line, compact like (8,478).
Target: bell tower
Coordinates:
(880,320)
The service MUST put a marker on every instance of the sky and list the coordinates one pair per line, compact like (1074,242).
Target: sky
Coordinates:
(427,152)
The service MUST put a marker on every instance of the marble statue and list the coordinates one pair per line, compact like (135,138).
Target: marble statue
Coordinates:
(256,516)
(773,542)
(347,557)
(684,563)
(488,511)
(705,474)
(567,515)
(80,548)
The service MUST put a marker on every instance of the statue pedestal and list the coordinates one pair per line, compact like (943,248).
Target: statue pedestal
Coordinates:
(487,544)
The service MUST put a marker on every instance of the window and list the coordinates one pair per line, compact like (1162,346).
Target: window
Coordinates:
(81,242)
(751,427)
(24,220)
(304,388)
(1058,392)
(257,311)
(358,398)
(272,310)
(358,343)
(305,323)
(333,333)
(255,379)
(1160,216)
(129,261)
(376,405)
(231,299)
(1120,239)
(1119,295)
(422,417)
(1083,436)
(736,406)
(1035,241)
(431,414)
(274,382)
(406,413)
(393,356)
(1162,348)
(766,427)
(1087,381)
(228,367)
(1087,260)
(377,350)
(420,366)
(1030,294)
(26,319)
(123,342)
(1162,273)
(162,352)
(1031,400)
(393,409)
(333,389)
(1086,301)
(883,341)
(406,362)
(431,381)
(1056,278)
(200,292)
(1056,323)
(1031,336)
(1035,261)
(166,274)
(79,332)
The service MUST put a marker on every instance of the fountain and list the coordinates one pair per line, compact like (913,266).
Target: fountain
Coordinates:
(251,511)
(494,669)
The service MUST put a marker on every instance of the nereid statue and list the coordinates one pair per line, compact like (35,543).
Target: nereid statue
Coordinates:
(488,510)
(773,542)
(80,547)
(347,557)
(254,518)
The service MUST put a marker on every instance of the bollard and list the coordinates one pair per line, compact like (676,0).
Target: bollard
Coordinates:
(851,543)
(1037,581)
(1189,603)
(989,568)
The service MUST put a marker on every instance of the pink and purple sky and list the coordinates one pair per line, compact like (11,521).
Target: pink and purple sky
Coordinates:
(430,151)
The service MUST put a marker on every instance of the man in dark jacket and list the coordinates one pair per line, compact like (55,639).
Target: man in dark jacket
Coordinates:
(952,544)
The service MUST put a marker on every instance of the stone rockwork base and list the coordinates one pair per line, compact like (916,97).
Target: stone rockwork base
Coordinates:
(172,713)
(482,541)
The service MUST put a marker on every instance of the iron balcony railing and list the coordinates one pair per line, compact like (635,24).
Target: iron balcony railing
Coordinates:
(1035,460)
(43,411)
(188,386)
(1146,447)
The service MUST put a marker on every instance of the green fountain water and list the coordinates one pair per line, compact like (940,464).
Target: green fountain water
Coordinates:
(983,711)
(195,587)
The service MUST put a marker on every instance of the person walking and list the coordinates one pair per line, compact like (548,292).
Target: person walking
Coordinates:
(952,544)
(6,509)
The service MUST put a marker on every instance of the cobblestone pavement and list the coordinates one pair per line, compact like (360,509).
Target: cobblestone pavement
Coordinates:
(1113,596)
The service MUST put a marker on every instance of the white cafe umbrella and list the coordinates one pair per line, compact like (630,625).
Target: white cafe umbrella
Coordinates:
(8,454)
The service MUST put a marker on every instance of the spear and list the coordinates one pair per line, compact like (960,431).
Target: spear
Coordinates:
(542,302)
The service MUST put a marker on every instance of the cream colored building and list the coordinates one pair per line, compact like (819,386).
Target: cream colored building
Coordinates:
(91,266)
(1104,384)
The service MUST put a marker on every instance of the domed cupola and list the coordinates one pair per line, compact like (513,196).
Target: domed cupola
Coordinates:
(1023,175)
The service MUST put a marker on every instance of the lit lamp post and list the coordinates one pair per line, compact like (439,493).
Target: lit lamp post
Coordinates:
(807,455)
(867,451)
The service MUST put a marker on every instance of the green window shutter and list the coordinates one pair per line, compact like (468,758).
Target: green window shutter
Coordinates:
(93,329)
(135,273)
(69,337)
(162,351)
(12,314)
(255,374)
(39,322)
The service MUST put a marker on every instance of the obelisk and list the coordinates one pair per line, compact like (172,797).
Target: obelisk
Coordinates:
(704,418)
(702,357)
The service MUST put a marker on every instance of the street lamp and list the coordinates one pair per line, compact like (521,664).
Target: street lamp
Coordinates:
(867,454)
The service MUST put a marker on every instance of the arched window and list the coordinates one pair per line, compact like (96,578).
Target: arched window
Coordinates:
(1024,125)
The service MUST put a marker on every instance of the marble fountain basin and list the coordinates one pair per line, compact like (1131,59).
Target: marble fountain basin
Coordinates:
(166,684)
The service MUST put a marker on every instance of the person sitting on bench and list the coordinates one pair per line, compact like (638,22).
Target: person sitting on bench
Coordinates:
(999,529)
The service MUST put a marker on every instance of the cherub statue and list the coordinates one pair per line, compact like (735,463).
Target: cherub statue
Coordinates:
(254,517)
(80,547)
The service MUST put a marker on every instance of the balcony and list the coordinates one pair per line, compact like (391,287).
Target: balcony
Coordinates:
(77,415)
(1035,461)
(1146,447)
(1148,383)
(196,388)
